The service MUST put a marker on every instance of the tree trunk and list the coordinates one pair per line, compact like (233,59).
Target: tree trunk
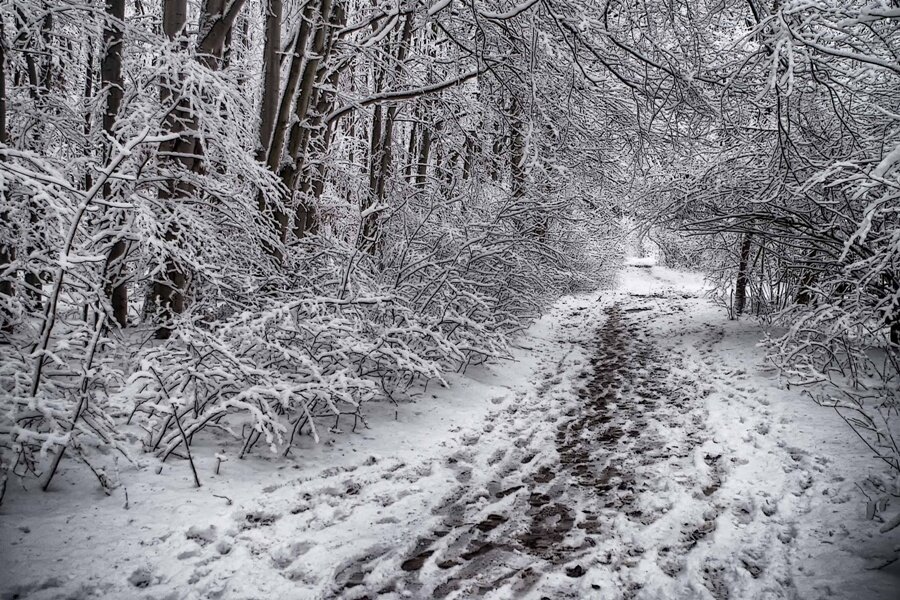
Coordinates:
(422,163)
(303,128)
(314,179)
(807,281)
(381,149)
(740,286)
(321,133)
(298,55)
(274,146)
(113,84)
(268,111)
(186,151)
(805,291)
(168,288)
(88,95)
(517,151)
(30,48)
(411,152)
(471,151)
(496,153)
(7,254)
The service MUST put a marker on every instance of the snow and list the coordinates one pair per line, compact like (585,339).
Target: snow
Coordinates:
(637,447)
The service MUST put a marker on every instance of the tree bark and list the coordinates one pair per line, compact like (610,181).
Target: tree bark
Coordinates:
(314,181)
(88,95)
(295,70)
(740,286)
(168,289)
(271,75)
(29,47)
(113,85)
(517,151)
(186,152)
(305,124)
(274,146)
(7,253)
(268,110)
(471,151)
(424,153)
(411,152)
(381,150)
(216,20)
(317,132)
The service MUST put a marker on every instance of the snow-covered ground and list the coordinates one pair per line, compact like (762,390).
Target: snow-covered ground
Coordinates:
(638,447)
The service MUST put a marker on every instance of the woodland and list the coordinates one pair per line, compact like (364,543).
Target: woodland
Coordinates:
(251,217)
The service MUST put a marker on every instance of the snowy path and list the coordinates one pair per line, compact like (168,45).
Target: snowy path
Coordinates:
(638,449)
(616,488)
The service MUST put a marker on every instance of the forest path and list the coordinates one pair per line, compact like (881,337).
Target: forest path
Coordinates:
(638,447)
(609,491)
(601,476)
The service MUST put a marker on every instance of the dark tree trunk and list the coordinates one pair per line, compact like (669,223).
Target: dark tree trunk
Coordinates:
(319,145)
(269,108)
(496,154)
(30,48)
(168,288)
(424,154)
(271,75)
(185,152)
(381,145)
(304,125)
(740,286)
(88,94)
(471,151)
(320,132)
(517,151)
(411,152)
(113,84)
(295,70)
(7,253)
(273,147)
(805,291)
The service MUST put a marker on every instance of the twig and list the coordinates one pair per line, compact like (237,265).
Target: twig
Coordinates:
(187,446)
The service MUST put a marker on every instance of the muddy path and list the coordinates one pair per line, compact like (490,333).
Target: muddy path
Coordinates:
(546,513)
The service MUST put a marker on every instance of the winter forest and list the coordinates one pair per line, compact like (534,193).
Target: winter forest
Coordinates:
(450,299)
